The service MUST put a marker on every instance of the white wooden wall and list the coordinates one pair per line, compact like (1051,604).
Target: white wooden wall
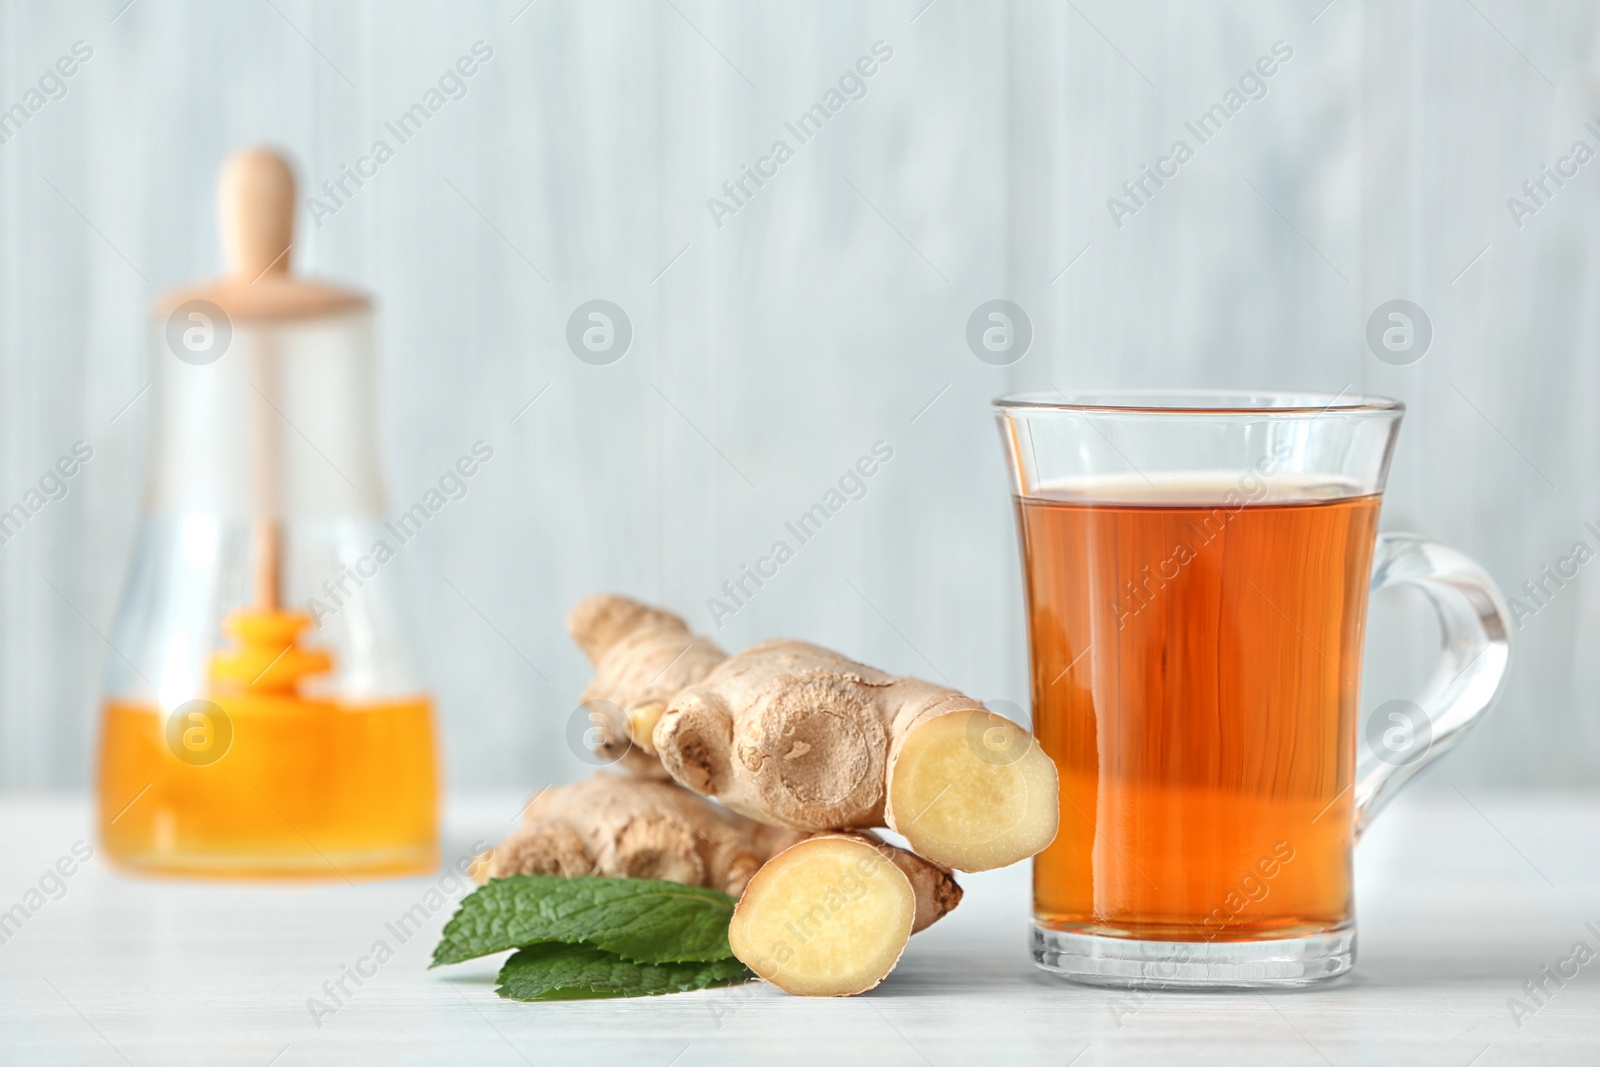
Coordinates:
(825,315)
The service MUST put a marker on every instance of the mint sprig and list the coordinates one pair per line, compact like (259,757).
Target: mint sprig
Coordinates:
(554,971)
(595,937)
(640,919)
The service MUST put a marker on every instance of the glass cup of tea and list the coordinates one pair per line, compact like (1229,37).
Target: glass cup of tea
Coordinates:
(1197,567)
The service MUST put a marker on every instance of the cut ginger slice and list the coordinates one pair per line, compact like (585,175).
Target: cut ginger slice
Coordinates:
(828,917)
(972,790)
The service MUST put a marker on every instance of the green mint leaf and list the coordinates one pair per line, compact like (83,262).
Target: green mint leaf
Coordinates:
(555,971)
(640,919)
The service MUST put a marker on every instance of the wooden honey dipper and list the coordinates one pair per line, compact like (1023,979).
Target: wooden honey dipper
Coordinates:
(256,208)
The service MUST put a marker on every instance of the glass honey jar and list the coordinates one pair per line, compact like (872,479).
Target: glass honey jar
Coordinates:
(262,715)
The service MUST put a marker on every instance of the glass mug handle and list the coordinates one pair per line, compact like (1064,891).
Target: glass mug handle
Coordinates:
(1477,649)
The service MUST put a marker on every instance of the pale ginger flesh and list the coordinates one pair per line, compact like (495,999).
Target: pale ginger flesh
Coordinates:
(799,736)
(828,917)
(642,657)
(932,885)
(973,790)
(618,826)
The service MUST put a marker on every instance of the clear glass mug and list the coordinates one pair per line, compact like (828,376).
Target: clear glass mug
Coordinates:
(1197,567)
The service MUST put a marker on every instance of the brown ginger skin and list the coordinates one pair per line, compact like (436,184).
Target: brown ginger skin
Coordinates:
(791,733)
(643,657)
(797,735)
(619,826)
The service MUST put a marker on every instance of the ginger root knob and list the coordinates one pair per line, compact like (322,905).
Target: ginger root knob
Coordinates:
(799,736)
(642,657)
(618,826)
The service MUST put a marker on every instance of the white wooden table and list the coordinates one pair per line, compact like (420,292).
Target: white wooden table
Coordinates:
(1462,899)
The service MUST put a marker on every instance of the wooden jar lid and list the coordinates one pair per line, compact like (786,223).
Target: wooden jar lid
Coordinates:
(255,206)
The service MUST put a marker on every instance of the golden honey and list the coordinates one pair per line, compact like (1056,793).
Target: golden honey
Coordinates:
(255,780)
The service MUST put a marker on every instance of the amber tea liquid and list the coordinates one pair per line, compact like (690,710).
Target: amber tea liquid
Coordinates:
(1196,651)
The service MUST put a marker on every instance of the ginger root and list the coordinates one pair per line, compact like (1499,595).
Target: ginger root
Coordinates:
(642,658)
(932,884)
(799,736)
(618,826)
(830,916)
